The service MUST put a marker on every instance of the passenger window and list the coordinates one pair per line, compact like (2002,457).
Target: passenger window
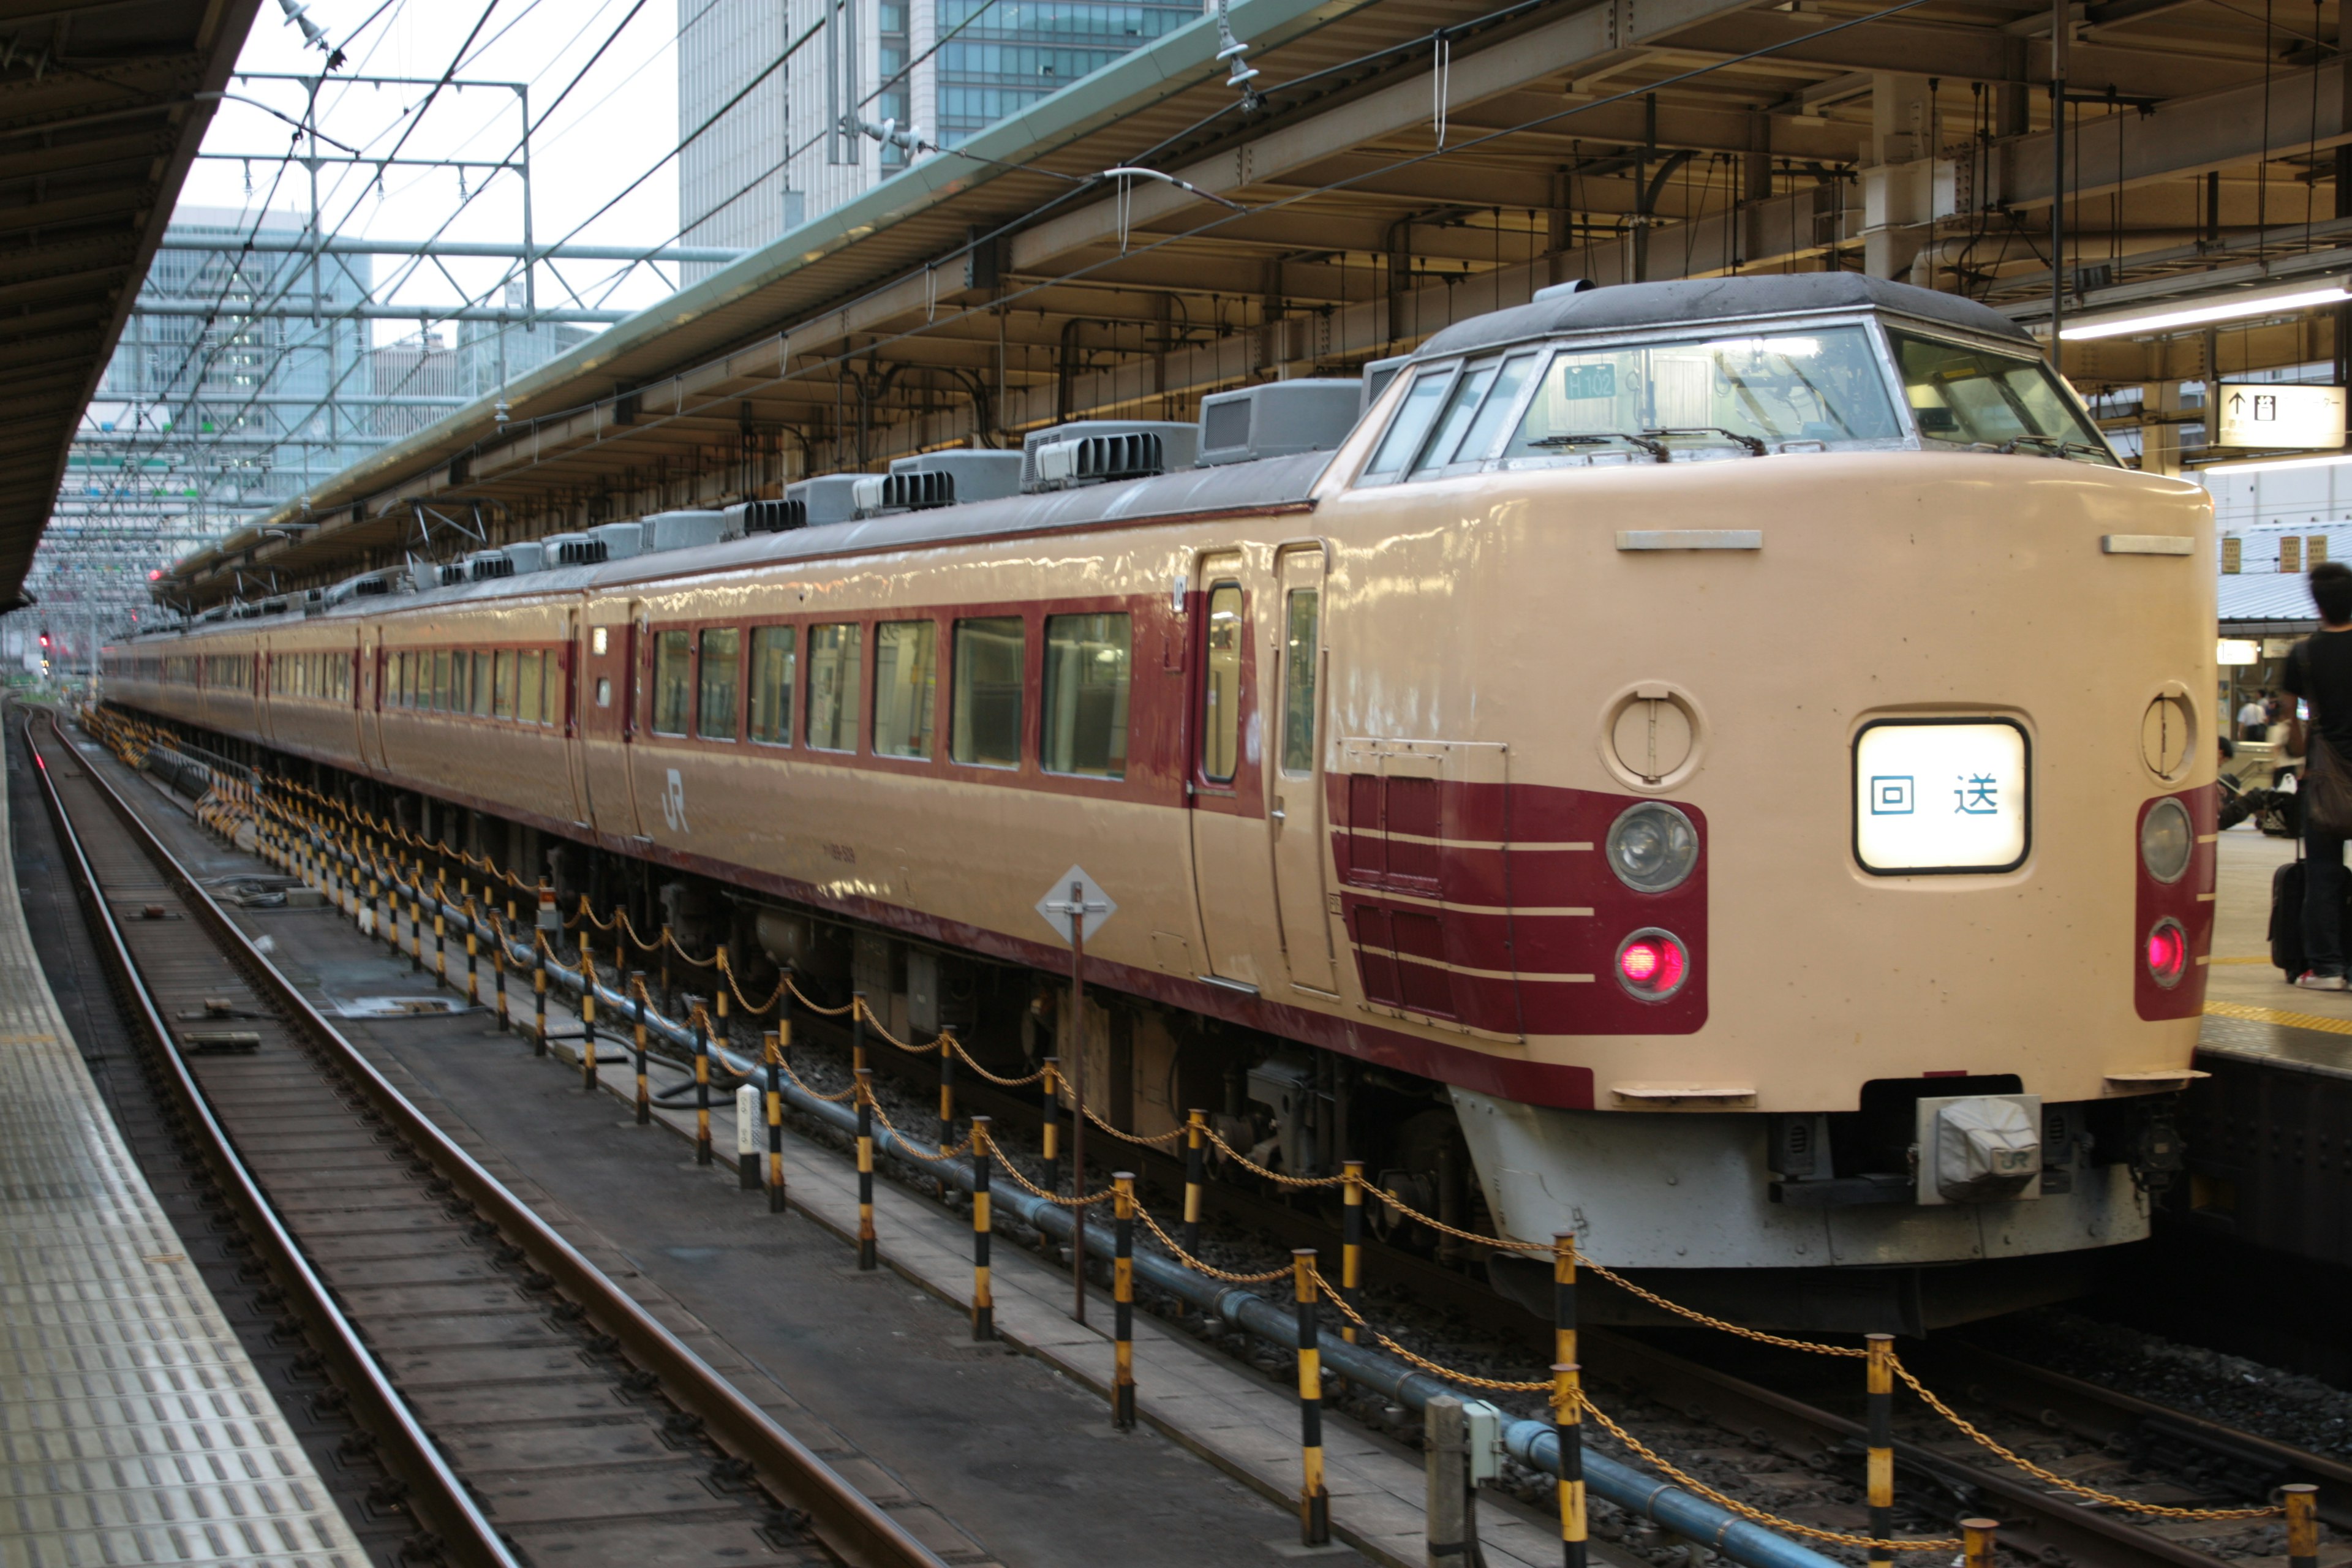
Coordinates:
(905,687)
(554,704)
(1455,421)
(833,687)
(1221,687)
(772,686)
(714,710)
(480,689)
(673,681)
(985,716)
(527,708)
(440,680)
(1299,658)
(1087,675)
(1411,423)
(502,704)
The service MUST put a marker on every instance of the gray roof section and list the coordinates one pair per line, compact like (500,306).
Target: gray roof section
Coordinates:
(1630,307)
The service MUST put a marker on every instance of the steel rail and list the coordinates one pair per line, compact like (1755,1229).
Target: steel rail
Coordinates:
(460,1532)
(841,1519)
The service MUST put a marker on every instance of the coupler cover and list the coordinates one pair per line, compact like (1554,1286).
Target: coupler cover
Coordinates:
(1980,1148)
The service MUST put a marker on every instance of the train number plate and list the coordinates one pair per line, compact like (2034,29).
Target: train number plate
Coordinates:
(1941,796)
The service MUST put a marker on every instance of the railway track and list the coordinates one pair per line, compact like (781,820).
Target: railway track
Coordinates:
(527,1409)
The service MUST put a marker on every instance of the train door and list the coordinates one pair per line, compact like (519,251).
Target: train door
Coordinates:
(1296,811)
(607,692)
(1231,871)
(264,699)
(571,718)
(367,696)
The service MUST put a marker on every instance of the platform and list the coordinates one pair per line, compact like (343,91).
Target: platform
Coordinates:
(134,1428)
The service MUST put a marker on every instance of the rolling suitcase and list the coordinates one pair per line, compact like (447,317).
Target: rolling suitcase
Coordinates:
(2286,918)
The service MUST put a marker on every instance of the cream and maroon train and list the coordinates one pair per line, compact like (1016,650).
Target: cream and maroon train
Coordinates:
(1723,768)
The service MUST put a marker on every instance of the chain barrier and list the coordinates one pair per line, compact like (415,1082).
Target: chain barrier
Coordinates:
(2051,1478)
(727,968)
(1246,1164)
(906,1145)
(1035,1190)
(1131,1137)
(1749,1512)
(965,1056)
(1197,1267)
(1502,1385)
(836,1099)
(874,1024)
(805,999)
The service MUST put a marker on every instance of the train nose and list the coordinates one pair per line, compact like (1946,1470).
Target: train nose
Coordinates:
(1981,1149)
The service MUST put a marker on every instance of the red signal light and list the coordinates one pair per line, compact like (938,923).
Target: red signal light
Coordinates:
(2167,952)
(1652,965)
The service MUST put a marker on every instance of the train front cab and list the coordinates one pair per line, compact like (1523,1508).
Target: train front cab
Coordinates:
(1933,702)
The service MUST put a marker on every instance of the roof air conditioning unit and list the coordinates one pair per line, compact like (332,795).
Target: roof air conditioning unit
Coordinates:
(877,494)
(572,550)
(829,497)
(449,573)
(775,516)
(1278,419)
(1098,459)
(372,585)
(621,539)
(530,557)
(684,530)
(484,565)
(1179,442)
(978,475)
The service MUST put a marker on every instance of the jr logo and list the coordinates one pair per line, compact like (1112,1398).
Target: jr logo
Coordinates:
(674,803)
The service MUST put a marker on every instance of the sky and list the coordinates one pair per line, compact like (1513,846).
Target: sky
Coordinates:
(613,128)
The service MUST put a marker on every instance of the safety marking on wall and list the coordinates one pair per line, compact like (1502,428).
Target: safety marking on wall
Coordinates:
(2284,1020)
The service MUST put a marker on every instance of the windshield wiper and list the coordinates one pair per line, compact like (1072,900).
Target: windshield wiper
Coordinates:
(2055,445)
(1595,438)
(1755,448)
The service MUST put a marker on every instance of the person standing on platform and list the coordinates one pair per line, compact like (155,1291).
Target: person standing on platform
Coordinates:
(2320,672)
(2252,717)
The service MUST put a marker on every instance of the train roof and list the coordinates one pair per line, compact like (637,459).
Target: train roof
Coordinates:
(1233,488)
(1628,306)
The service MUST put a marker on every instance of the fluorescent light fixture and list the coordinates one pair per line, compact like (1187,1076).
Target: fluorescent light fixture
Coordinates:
(2237,653)
(2224,309)
(2249,464)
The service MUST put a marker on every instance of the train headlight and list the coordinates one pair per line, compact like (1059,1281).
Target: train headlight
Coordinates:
(2165,839)
(1652,846)
(1652,965)
(2167,951)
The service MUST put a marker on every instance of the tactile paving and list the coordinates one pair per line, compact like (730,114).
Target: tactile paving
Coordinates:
(133,1429)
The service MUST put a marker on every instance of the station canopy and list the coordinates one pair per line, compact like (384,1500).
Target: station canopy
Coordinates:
(102,106)
(1393,167)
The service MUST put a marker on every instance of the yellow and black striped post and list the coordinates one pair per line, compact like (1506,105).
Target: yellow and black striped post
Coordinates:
(1314,1502)
(499,962)
(858,1031)
(1351,1239)
(587,1020)
(417,916)
(1050,1129)
(1977,1543)
(866,1250)
(662,944)
(947,1101)
(1568,1428)
(1196,1174)
(1879,1414)
(701,1079)
(537,996)
(779,1040)
(1122,1297)
(1563,1298)
(473,954)
(375,894)
(983,1299)
(637,1043)
(440,934)
(2302,1525)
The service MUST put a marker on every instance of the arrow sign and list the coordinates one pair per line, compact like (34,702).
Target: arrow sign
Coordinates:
(2236,403)
(1076,893)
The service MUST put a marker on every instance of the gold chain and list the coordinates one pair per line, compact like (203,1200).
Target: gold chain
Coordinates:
(1035,1191)
(2053,1479)
(1658,1462)
(803,998)
(1131,1138)
(849,1093)
(1246,1164)
(1194,1264)
(965,1056)
(1423,1361)
(906,1144)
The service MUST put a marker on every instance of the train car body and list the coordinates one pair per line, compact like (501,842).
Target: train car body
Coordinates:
(1731,762)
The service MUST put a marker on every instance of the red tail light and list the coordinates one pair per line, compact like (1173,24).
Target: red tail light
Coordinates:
(1652,965)
(2167,951)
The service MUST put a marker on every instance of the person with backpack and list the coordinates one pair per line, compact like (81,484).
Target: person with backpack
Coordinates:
(2319,672)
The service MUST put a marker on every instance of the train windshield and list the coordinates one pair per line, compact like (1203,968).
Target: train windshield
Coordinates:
(1755,391)
(1975,397)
